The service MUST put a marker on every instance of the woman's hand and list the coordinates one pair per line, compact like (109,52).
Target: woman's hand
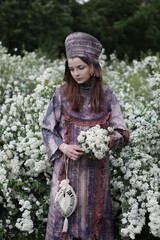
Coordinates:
(72,151)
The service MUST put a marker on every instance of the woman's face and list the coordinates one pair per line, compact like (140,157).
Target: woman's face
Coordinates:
(80,71)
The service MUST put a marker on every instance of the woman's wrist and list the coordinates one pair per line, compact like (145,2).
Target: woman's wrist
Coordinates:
(63,147)
(111,142)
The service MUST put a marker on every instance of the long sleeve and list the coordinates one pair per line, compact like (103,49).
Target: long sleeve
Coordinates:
(121,135)
(51,128)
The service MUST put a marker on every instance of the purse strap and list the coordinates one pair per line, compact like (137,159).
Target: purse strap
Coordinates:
(66,165)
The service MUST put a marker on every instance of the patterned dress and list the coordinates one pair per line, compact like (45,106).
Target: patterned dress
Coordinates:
(90,179)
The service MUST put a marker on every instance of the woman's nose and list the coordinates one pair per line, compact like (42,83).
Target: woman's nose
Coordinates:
(76,73)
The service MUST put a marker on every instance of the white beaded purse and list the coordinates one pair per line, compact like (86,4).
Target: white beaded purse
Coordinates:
(66,199)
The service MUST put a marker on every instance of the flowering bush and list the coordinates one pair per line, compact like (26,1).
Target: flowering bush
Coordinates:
(26,86)
(94,142)
(136,168)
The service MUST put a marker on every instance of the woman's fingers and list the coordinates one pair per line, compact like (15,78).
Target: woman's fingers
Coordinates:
(78,148)
(73,151)
(77,153)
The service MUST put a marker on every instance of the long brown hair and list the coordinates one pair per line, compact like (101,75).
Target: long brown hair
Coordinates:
(72,88)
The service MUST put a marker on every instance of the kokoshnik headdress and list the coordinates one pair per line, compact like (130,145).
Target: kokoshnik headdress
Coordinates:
(82,44)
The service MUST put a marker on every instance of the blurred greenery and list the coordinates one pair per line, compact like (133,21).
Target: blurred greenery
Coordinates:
(29,25)
(125,26)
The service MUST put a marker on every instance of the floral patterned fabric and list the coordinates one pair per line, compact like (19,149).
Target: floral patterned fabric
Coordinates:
(89,178)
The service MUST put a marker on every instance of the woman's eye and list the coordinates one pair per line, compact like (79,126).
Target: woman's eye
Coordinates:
(81,68)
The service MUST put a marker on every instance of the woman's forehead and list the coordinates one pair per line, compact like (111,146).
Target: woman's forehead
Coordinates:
(76,61)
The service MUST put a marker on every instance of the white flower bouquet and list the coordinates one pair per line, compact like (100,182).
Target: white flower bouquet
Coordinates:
(94,142)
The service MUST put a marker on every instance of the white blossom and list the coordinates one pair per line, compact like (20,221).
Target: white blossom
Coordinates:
(26,87)
(95,141)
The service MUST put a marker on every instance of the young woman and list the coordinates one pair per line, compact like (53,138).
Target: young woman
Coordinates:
(81,103)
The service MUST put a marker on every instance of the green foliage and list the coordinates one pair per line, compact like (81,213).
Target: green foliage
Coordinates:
(35,24)
(127,27)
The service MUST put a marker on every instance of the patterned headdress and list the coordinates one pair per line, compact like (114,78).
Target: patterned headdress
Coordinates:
(82,44)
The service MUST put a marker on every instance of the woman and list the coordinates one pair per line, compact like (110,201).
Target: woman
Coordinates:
(82,102)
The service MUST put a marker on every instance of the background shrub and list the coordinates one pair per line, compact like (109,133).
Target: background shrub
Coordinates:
(26,87)
(126,27)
